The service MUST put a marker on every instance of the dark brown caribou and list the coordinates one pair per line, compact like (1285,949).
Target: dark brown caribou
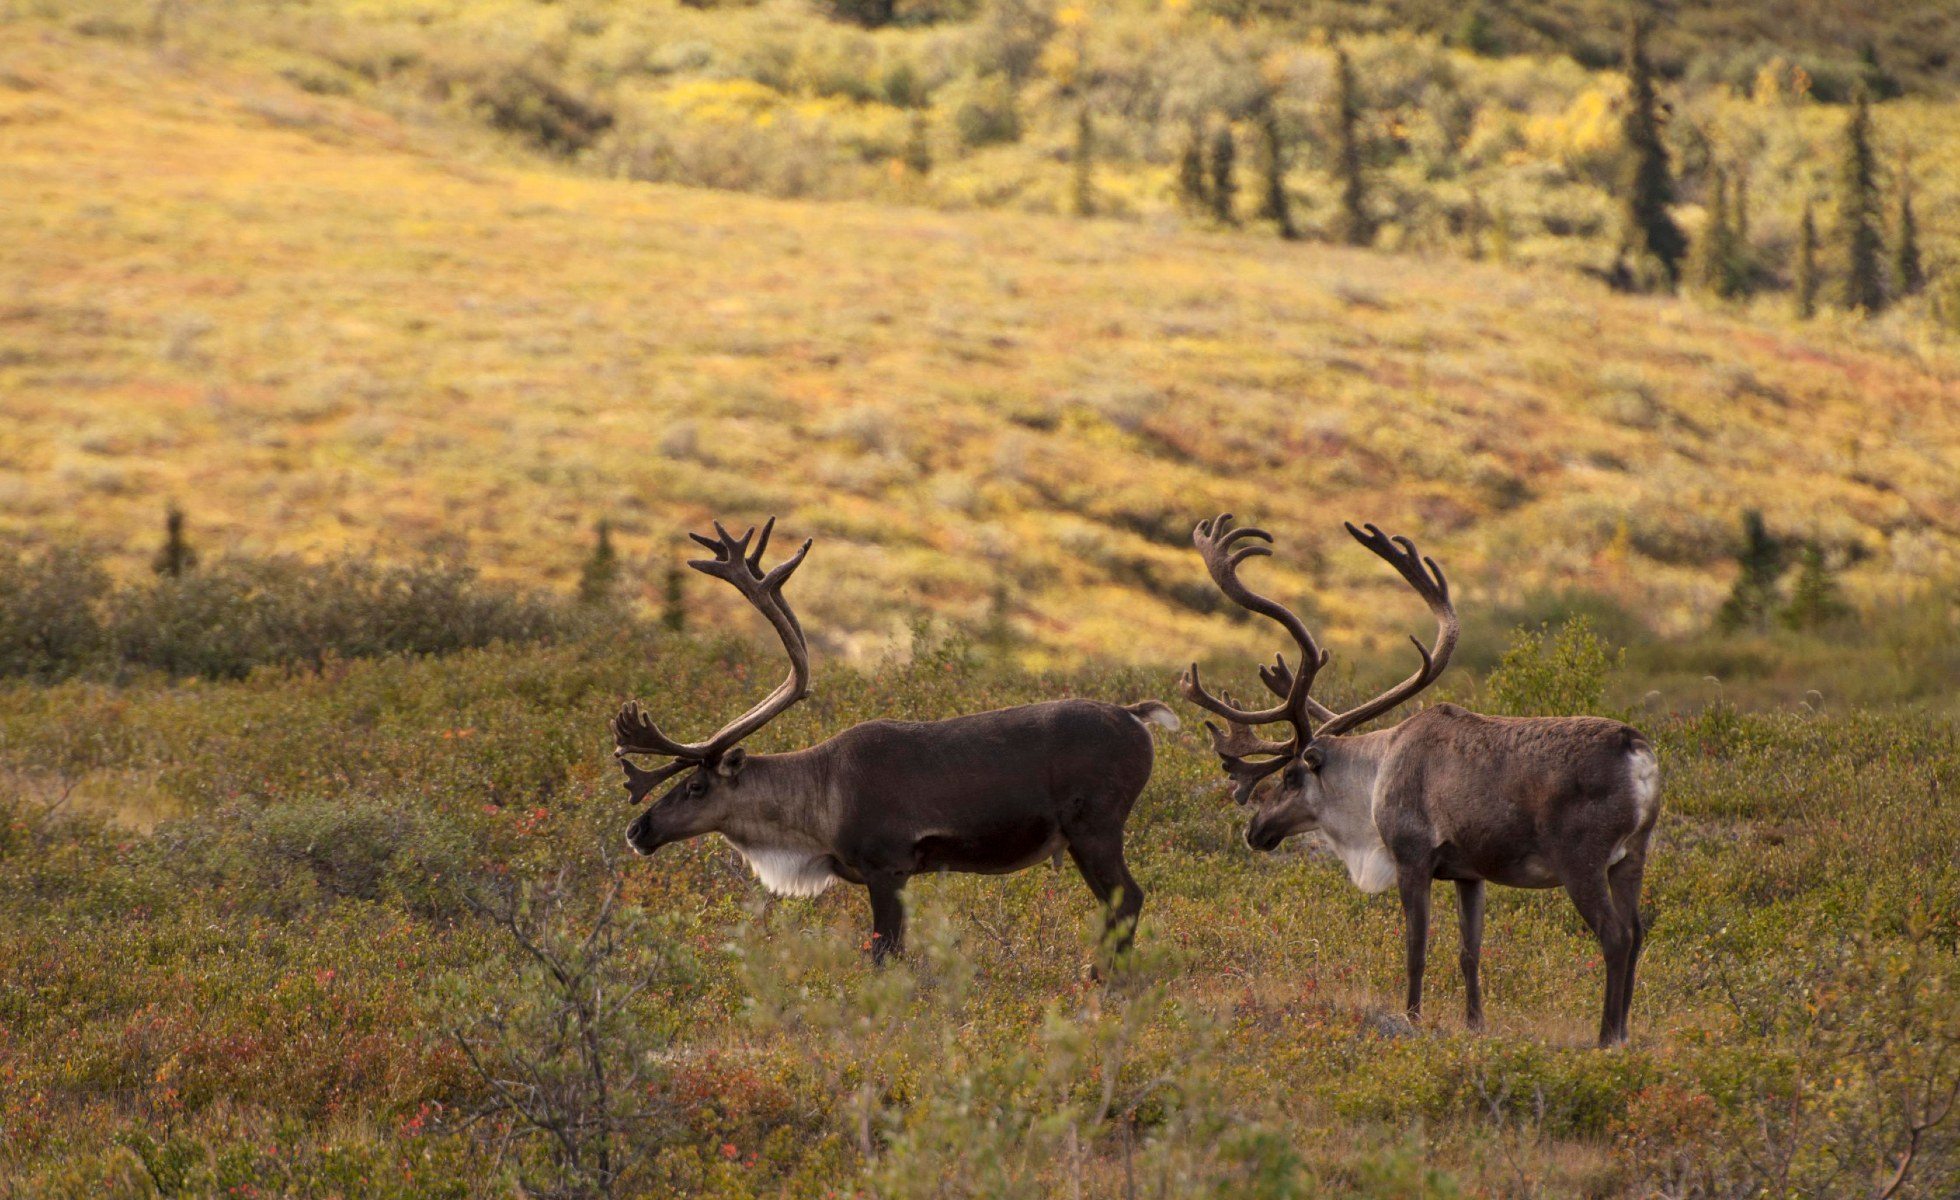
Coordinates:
(1534,802)
(886,800)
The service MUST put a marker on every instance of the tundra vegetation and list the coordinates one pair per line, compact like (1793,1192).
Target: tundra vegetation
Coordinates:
(365,930)
(312,876)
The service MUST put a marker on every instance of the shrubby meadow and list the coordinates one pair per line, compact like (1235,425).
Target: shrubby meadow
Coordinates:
(370,928)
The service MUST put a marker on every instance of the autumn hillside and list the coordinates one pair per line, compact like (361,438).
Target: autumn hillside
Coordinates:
(319,327)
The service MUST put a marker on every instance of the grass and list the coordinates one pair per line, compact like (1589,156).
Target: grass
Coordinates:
(322,329)
(266,989)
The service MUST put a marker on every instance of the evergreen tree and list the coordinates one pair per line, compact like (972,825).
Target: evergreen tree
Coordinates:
(1223,189)
(1647,188)
(673,601)
(1718,261)
(1908,272)
(918,144)
(1355,227)
(1193,189)
(1739,209)
(177,555)
(1815,599)
(1082,196)
(1858,213)
(600,574)
(1274,205)
(1753,597)
(1476,34)
(1806,270)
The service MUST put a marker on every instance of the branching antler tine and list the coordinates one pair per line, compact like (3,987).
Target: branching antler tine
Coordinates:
(779,575)
(1194,690)
(761,544)
(640,781)
(634,732)
(1245,552)
(705,540)
(1227,536)
(1278,678)
(1240,741)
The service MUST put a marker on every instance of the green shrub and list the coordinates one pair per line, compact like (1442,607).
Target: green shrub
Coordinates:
(1547,673)
(60,616)
(49,627)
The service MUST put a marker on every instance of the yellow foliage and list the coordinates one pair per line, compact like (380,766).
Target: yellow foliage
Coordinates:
(1587,130)
(729,100)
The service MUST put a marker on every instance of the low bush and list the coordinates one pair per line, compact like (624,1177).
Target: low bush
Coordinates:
(61,616)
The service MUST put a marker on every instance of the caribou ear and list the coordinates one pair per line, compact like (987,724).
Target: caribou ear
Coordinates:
(1312,757)
(730,764)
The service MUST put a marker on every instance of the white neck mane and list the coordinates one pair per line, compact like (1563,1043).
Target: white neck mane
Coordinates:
(786,870)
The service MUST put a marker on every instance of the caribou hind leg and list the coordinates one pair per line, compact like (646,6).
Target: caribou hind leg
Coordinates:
(1594,899)
(1099,857)
(887,915)
(1470,921)
(1623,881)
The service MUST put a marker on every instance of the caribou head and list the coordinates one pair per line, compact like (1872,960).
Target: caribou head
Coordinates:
(713,768)
(1298,804)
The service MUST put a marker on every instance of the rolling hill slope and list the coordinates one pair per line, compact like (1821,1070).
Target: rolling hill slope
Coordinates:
(318,328)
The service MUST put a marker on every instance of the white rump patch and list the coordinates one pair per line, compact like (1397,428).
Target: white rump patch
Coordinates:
(788,872)
(1157,714)
(1645,772)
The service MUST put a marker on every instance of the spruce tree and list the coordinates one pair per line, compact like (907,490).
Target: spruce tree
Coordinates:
(1223,190)
(1715,261)
(177,555)
(1858,226)
(1355,226)
(918,144)
(1082,196)
(1815,599)
(1752,598)
(673,601)
(1908,272)
(1806,269)
(1274,204)
(1647,188)
(1739,209)
(601,571)
(1193,189)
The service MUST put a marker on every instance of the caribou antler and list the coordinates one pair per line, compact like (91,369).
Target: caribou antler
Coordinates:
(1427,579)
(633,729)
(1218,543)
(1236,745)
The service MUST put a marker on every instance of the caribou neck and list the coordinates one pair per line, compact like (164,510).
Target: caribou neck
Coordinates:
(1350,766)
(782,801)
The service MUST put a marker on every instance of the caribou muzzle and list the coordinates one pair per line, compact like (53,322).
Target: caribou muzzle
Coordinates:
(1261,836)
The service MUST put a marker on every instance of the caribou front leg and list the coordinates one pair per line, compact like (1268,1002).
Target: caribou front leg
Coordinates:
(1415,933)
(887,915)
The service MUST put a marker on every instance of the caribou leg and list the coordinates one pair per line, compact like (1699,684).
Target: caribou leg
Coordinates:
(1470,921)
(887,915)
(1594,900)
(1623,880)
(1415,933)
(1099,857)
